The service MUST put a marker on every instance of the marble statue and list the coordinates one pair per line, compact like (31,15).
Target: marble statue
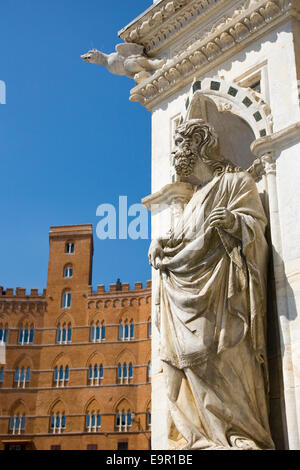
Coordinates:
(212,303)
(129,59)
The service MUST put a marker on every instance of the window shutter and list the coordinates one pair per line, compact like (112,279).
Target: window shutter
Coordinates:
(92,333)
(69,334)
(87,421)
(31,335)
(17,374)
(20,340)
(23,424)
(11,423)
(26,335)
(126,331)
(121,332)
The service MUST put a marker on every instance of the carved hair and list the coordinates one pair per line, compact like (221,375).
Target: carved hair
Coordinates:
(209,150)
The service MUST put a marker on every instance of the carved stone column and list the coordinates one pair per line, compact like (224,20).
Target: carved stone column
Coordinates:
(269,151)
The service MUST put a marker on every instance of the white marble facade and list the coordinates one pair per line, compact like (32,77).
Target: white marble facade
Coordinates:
(252,46)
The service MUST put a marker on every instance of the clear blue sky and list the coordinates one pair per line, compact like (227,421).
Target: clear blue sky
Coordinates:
(69,137)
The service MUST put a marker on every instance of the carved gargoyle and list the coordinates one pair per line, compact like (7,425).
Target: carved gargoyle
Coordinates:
(129,59)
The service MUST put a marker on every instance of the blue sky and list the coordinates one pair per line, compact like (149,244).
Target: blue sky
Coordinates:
(69,137)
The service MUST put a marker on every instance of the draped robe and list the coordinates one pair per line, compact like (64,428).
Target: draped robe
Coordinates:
(212,321)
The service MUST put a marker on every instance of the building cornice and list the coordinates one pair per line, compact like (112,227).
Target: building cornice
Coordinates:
(167,20)
(226,39)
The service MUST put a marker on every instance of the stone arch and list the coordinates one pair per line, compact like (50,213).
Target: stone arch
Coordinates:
(95,358)
(123,403)
(57,406)
(26,319)
(126,355)
(24,360)
(18,406)
(99,303)
(96,316)
(92,405)
(133,303)
(61,360)
(65,317)
(231,98)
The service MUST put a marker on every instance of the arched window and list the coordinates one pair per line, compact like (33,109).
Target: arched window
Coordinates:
(22,377)
(123,420)
(97,332)
(131,329)
(125,372)
(26,334)
(93,421)
(130,371)
(58,422)
(66,299)
(96,374)
(126,330)
(3,333)
(68,271)
(64,333)
(70,248)
(61,375)
(17,423)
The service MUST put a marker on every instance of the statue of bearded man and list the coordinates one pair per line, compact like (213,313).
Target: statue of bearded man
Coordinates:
(213,303)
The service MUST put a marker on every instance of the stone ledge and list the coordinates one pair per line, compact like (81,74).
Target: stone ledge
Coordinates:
(222,42)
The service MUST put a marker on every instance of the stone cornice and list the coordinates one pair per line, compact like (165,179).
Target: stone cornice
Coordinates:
(168,194)
(226,39)
(277,141)
(165,21)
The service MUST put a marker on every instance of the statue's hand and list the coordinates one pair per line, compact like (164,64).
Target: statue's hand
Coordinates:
(155,254)
(221,217)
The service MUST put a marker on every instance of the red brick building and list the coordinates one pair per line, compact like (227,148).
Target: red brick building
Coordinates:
(77,372)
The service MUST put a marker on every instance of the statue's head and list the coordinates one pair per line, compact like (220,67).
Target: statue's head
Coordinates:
(196,141)
(94,57)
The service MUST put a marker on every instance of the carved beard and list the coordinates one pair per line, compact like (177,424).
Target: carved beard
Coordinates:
(184,162)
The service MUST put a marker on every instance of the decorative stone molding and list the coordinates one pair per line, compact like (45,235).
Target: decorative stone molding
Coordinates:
(178,192)
(22,306)
(221,42)
(165,21)
(277,141)
(230,97)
